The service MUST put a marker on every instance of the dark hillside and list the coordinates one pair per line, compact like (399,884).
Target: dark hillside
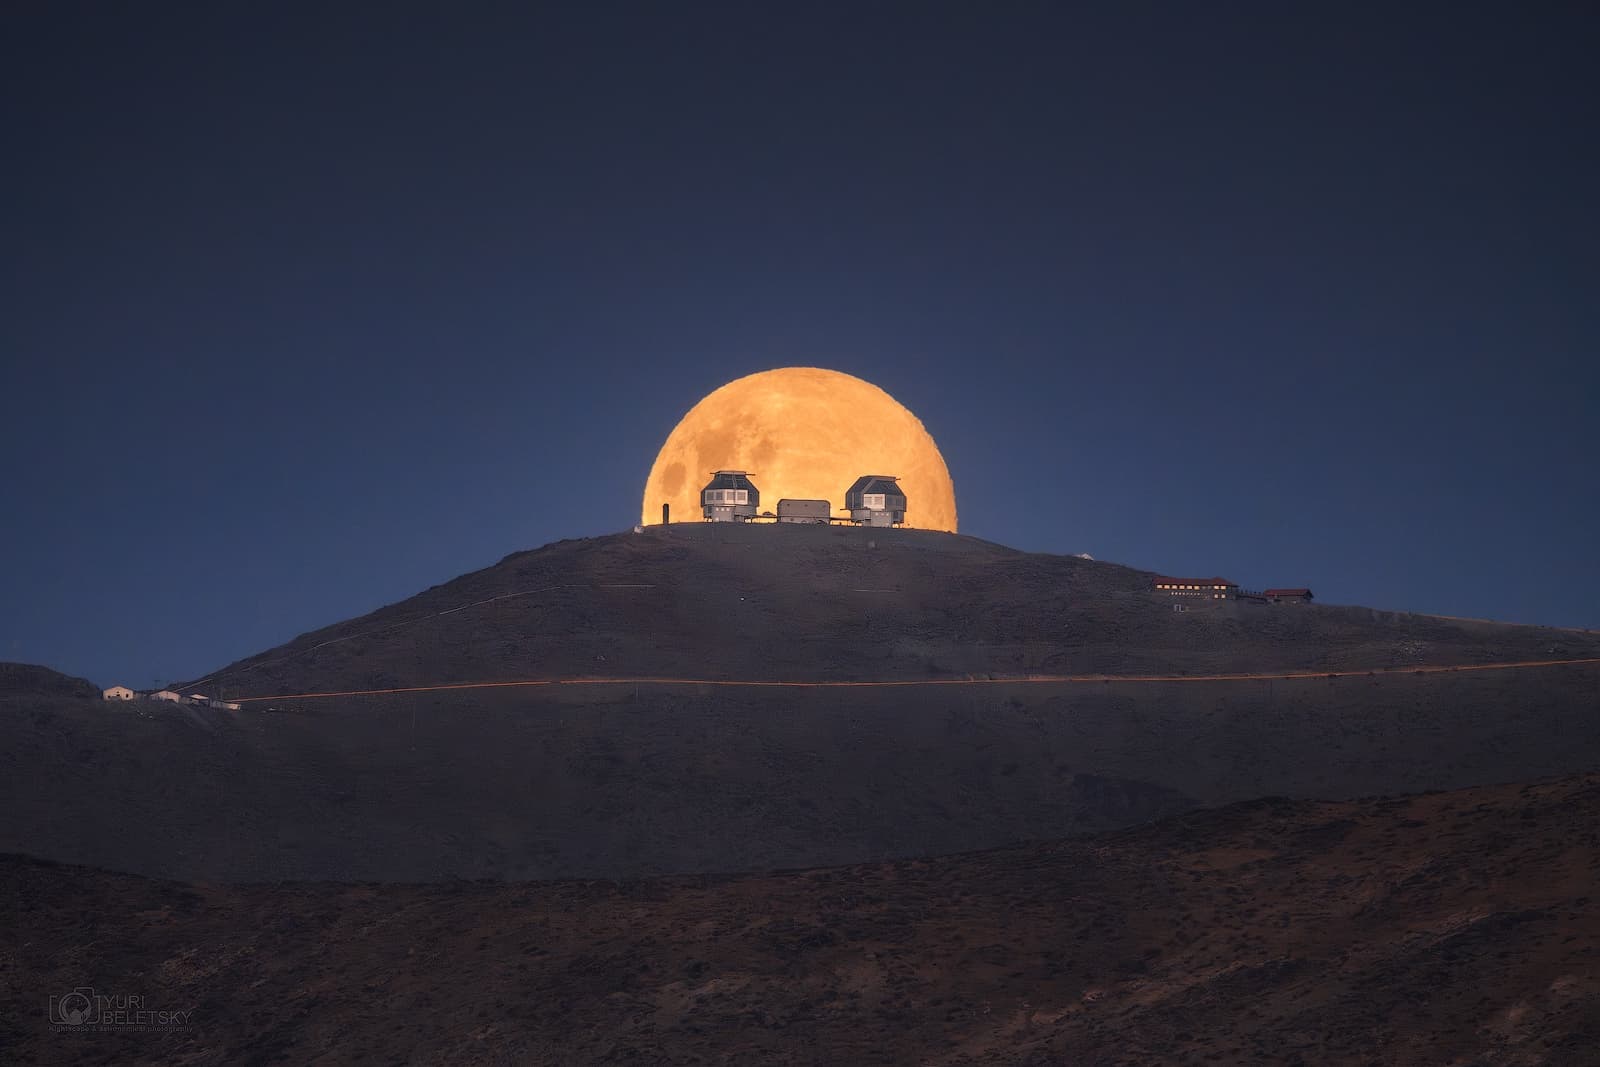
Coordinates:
(622,780)
(1452,928)
(20,681)
(726,601)
(616,781)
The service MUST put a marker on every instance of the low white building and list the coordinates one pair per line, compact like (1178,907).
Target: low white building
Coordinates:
(117,692)
(197,698)
(166,694)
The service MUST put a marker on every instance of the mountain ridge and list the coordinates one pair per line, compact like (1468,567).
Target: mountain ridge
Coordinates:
(628,780)
(746,602)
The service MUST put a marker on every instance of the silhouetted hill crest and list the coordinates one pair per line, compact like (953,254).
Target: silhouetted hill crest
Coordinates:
(30,679)
(726,601)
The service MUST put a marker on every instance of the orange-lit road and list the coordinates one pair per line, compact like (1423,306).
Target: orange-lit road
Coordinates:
(1026,679)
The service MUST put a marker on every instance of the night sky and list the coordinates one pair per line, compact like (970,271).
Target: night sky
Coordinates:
(306,309)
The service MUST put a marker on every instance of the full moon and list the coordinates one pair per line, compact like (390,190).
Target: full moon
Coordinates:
(803,433)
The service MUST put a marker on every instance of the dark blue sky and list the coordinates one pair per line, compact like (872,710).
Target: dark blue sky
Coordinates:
(305,310)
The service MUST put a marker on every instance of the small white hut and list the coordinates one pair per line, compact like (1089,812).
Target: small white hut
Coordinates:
(166,694)
(117,692)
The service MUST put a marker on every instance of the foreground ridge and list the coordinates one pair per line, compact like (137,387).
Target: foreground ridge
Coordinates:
(1439,928)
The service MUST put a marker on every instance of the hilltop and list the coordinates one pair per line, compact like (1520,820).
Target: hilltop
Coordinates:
(27,680)
(733,601)
(1447,928)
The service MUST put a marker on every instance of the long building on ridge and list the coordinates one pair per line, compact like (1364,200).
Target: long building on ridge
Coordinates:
(1205,588)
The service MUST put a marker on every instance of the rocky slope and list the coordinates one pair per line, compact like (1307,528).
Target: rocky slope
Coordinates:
(1450,928)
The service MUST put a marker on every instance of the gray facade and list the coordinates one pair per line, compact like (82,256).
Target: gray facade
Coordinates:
(808,511)
(730,496)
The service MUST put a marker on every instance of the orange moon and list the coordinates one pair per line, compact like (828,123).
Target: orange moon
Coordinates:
(801,432)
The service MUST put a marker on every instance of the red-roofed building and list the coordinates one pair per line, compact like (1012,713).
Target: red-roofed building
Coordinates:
(1292,596)
(1204,588)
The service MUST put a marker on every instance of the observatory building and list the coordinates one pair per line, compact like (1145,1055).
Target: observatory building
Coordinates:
(876,500)
(730,496)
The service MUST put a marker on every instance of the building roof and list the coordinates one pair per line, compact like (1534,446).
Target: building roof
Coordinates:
(1286,592)
(877,483)
(1192,581)
(729,480)
(894,497)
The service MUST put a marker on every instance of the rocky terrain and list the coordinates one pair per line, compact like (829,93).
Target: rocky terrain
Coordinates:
(1449,928)
(369,878)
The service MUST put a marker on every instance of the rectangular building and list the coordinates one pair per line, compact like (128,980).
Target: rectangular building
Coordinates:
(1197,588)
(809,511)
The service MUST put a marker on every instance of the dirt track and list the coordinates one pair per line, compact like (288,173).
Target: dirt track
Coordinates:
(992,680)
